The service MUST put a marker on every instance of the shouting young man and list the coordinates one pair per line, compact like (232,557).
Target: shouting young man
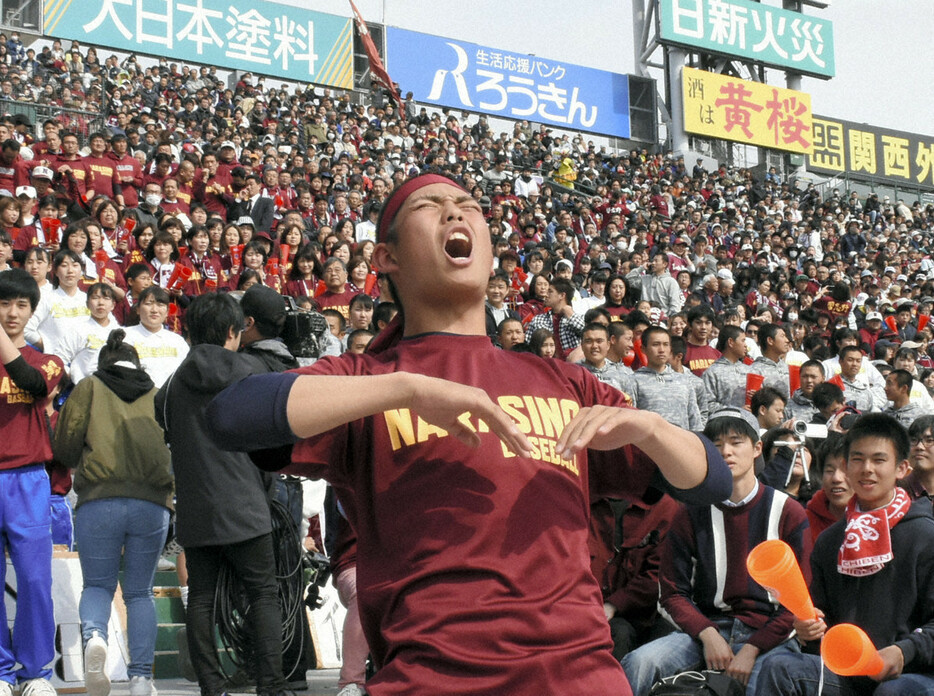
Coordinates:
(465,473)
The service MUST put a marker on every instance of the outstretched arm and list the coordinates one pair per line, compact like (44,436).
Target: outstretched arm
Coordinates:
(267,411)
(681,456)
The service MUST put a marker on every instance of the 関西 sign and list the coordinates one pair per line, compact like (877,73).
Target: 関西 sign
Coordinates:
(881,153)
(721,106)
(257,35)
(512,85)
(751,31)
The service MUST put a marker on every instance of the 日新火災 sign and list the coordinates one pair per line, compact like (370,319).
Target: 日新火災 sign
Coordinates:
(751,31)
(512,85)
(257,35)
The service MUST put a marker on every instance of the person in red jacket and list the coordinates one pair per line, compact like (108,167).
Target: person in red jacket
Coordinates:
(102,179)
(128,170)
(13,170)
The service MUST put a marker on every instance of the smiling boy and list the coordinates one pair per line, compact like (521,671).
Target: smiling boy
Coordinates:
(875,569)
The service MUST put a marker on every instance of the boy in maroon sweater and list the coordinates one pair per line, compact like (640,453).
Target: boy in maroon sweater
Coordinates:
(27,377)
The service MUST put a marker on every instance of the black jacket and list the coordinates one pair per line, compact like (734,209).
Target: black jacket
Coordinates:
(220,495)
(894,606)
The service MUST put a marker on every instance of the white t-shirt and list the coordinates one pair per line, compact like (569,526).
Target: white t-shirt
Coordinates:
(60,316)
(160,353)
(81,347)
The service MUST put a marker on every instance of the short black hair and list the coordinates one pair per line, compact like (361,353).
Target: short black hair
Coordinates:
(825,394)
(155,292)
(849,349)
(678,346)
(834,446)
(137,269)
(903,378)
(384,312)
(767,331)
(210,318)
(812,363)
(879,425)
(701,311)
(765,397)
(597,326)
(924,424)
(102,289)
(16,284)
(563,287)
(730,332)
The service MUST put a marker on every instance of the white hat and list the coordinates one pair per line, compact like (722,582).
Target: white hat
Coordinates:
(43,173)
(873,315)
(26,191)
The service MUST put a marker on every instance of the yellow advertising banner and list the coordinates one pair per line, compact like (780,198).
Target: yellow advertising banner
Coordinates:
(721,106)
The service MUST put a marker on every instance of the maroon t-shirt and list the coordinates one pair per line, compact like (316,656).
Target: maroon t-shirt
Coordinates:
(473,565)
(23,429)
(337,300)
(698,358)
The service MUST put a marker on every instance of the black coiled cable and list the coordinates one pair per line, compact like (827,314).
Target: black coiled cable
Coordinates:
(232,607)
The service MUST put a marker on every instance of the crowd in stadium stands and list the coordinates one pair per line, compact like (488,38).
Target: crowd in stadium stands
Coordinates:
(688,288)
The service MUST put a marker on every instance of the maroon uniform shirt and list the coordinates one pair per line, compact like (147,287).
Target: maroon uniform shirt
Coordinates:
(102,176)
(473,567)
(128,167)
(12,176)
(23,429)
(337,300)
(698,358)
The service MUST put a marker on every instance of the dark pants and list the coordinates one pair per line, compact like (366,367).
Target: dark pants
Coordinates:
(252,562)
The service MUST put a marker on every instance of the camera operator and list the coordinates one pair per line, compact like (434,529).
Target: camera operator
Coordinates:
(789,462)
(264,314)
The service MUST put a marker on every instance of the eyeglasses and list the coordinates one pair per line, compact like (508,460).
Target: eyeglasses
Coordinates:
(926,440)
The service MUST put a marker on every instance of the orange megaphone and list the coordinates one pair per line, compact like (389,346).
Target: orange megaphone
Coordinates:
(773,565)
(847,651)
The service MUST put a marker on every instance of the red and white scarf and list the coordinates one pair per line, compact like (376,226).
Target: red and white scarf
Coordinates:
(867,542)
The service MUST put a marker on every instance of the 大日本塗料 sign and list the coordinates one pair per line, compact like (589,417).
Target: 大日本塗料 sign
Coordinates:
(512,85)
(751,31)
(721,106)
(257,35)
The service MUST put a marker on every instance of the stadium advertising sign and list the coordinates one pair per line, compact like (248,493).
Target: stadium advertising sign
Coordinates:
(752,31)
(720,106)
(860,150)
(265,37)
(512,85)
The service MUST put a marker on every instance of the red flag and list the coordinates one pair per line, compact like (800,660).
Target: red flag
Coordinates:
(376,64)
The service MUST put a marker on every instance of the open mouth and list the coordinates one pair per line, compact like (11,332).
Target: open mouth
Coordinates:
(458,246)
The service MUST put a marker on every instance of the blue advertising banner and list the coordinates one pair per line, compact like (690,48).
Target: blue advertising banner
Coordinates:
(257,35)
(750,30)
(512,85)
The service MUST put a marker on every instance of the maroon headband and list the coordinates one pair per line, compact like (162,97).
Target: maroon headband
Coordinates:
(400,195)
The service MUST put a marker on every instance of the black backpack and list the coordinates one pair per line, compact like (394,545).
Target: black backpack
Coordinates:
(705,683)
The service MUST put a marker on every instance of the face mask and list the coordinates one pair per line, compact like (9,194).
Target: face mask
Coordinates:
(526,177)
(792,316)
(153,199)
(621,244)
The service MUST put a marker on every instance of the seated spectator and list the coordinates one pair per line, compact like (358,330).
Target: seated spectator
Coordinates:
(882,585)
(829,503)
(724,621)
